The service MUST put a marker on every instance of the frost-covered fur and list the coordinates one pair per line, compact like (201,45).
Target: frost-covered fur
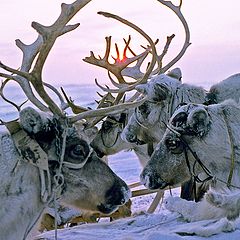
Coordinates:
(206,228)
(205,129)
(93,187)
(226,89)
(166,94)
(217,212)
(215,205)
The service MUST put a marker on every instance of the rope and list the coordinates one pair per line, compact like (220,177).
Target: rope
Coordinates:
(137,120)
(59,179)
(232,149)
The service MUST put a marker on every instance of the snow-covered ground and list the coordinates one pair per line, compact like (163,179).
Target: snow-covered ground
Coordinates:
(145,227)
(162,225)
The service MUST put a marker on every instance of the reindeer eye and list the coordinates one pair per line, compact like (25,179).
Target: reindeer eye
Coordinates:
(77,151)
(174,145)
(144,109)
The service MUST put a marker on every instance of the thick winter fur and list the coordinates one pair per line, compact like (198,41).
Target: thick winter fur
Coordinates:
(226,89)
(165,94)
(93,187)
(217,212)
(208,131)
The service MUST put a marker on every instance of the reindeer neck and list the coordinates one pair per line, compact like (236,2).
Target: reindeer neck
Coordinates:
(20,200)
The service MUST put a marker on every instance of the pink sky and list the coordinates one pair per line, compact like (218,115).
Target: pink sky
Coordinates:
(214,26)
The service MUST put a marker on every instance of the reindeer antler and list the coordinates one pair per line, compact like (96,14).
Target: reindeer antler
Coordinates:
(39,51)
(118,66)
(177,11)
(144,78)
(160,69)
(34,57)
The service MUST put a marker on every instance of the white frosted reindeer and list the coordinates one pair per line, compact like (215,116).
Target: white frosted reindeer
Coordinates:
(201,142)
(42,156)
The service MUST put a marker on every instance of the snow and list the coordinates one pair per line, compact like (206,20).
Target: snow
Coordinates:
(146,227)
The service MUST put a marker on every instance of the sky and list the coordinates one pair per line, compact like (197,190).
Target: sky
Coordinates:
(214,27)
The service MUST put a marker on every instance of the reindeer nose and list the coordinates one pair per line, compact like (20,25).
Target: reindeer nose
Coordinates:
(131,138)
(118,194)
(151,180)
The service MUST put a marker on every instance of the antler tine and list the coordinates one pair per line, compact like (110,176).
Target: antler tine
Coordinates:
(177,11)
(106,111)
(27,90)
(18,107)
(127,42)
(117,59)
(29,54)
(151,65)
(127,47)
(161,56)
(75,108)
(63,104)
(44,43)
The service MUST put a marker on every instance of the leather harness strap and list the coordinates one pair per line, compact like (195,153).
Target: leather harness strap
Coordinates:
(32,153)
(230,137)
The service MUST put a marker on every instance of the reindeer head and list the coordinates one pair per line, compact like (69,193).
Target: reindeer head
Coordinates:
(194,143)
(108,140)
(146,124)
(85,185)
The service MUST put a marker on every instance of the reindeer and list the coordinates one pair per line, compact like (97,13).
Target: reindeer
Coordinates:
(42,156)
(108,140)
(200,142)
(79,177)
(165,94)
(142,128)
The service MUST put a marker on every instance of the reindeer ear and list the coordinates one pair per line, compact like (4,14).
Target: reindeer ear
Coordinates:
(175,73)
(142,88)
(198,121)
(32,121)
(160,92)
